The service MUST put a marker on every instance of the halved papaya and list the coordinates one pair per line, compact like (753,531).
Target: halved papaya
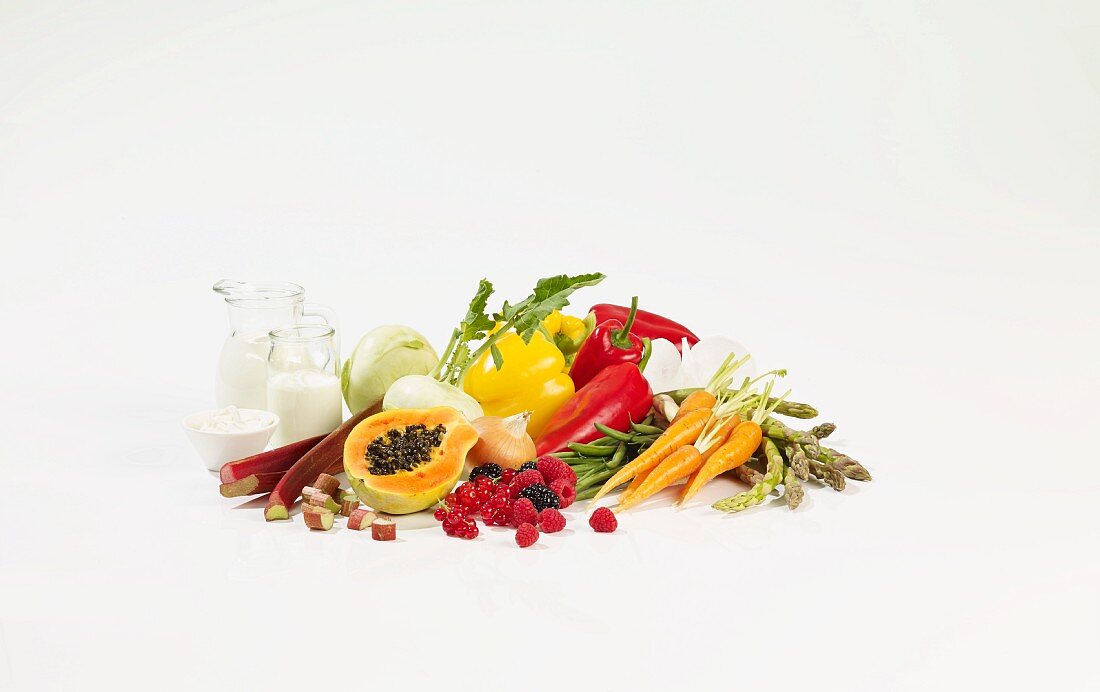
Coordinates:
(406,460)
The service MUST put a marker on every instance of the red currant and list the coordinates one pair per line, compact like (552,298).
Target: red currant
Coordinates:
(468,500)
(440,514)
(507,475)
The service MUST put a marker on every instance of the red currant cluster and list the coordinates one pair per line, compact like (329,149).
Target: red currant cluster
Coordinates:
(507,497)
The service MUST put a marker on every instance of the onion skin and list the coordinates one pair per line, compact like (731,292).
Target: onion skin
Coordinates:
(501,441)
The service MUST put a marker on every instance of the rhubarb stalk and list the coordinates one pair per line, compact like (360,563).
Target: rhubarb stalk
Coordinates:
(277,460)
(328,453)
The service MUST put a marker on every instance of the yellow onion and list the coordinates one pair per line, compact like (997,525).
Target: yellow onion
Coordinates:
(501,441)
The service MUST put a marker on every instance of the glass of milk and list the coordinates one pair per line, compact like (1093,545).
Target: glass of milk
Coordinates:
(303,382)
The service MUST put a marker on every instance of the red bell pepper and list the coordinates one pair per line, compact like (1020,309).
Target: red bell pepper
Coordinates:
(617,395)
(646,324)
(609,343)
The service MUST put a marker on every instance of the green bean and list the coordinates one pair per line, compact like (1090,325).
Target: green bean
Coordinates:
(591,450)
(618,456)
(646,429)
(612,433)
(594,479)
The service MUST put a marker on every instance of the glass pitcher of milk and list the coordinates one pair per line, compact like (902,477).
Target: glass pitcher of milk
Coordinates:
(303,382)
(255,309)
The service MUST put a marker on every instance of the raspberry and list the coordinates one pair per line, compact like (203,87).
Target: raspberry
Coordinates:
(565,492)
(553,468)
(522,480)
(524,512)
(603,520)
(526,535)
(551,520)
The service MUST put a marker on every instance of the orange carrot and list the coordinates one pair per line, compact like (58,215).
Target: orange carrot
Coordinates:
(735,451)
(683,432)
(722,435)
(739,445)
(719,438)
(638,480)
(676,466)
(712,442)
(698,399)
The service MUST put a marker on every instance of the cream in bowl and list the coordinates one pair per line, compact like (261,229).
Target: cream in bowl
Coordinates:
(230,433)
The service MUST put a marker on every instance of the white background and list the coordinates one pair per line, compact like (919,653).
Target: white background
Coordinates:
(898,201)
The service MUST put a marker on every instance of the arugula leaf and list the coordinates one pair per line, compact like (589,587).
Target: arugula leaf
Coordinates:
(550,294)
(477,323)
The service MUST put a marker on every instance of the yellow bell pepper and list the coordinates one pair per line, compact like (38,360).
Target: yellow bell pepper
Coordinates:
(568,332)
(530,379)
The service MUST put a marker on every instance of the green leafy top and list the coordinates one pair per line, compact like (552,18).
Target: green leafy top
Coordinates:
(525,317)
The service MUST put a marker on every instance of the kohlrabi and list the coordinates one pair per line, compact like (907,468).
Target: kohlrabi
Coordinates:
(423,391)
(383,356)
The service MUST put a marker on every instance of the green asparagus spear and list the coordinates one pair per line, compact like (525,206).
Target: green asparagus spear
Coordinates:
(822,431)
(747,474)
(798,461)
(755,495)
(779,431)
(793,409)
(847,466)
(830,476)
(792,489)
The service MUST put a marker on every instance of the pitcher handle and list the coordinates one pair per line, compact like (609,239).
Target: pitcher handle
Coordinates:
(328,316)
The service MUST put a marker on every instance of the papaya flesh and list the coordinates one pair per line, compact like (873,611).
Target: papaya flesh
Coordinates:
(407,460)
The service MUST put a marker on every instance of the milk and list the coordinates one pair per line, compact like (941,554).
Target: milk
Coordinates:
(241,379)
(308,403)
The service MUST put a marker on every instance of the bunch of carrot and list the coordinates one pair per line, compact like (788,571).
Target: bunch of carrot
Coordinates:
(705,438)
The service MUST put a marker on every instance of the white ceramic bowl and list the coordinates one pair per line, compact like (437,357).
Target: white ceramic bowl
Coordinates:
(217,448)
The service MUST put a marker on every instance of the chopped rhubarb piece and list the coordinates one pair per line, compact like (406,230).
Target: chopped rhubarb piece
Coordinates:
(256,484)
(318,519)
(361,518)
(324,501)
(349,505)
(327,484)
(326,457)
(383,530)
(272,461)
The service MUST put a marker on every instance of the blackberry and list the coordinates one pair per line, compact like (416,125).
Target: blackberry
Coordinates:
(528,466)
(490,471)
(541,496)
